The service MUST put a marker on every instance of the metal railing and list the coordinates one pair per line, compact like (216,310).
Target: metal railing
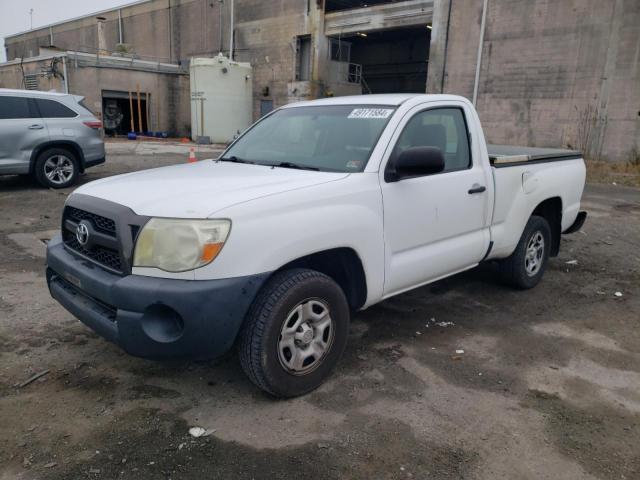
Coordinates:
(345,72)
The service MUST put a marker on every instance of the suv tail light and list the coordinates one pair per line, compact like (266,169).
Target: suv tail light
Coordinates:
(96,124)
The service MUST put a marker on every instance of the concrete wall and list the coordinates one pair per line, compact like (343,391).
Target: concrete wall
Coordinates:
(265,37)
(176,30)
(169,93)
(554,73)
(11,76)
(162,30)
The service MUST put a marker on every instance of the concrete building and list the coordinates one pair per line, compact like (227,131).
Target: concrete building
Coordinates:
(542,72)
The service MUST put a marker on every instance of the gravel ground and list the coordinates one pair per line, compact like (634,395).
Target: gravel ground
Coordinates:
(548,385)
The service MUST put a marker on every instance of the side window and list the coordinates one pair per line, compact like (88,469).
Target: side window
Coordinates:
(444,128)
(16,107)
(53,109)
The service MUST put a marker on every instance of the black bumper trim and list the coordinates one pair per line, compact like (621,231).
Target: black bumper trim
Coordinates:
(89,311)
(93,163)
(131,311)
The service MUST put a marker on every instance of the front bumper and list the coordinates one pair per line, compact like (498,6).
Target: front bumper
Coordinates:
(151,317)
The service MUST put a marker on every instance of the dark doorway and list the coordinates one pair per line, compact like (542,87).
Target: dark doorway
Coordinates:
(117,112)
(393,61)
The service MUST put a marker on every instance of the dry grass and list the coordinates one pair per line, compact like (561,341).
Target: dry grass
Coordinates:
(621,173)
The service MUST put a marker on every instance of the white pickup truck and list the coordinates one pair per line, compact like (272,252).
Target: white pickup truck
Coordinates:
(319,209)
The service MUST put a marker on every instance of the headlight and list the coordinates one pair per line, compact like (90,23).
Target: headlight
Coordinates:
(177,245)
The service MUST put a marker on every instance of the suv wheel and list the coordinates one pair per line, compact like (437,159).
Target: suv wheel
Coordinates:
(526,265)
(56,168)
(294,333)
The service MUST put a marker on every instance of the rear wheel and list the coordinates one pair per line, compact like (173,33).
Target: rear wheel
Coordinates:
(56,168)
(526,265)
(294,333)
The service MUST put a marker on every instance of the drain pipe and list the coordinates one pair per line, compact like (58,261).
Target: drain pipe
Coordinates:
(220,3)
(231,34)
(120,26)
(64,72)
(480,45)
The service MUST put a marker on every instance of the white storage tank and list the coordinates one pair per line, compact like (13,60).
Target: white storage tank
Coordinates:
(221,98)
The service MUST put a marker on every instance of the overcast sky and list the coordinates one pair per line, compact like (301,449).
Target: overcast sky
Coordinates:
(14,14)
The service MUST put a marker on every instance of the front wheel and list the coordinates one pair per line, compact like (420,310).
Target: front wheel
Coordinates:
(294,333)
(526,265)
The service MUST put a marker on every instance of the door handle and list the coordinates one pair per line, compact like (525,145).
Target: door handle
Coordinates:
(36,127)
(477,189)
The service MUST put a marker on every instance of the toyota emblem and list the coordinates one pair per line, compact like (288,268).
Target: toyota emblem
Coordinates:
(82,234)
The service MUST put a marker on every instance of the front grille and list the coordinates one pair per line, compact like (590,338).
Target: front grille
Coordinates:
(105,256)
(106,225)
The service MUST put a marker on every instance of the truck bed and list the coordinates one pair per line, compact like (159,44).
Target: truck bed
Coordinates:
(507,156)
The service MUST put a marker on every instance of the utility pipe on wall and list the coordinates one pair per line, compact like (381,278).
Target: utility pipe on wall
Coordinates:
(120,26)
(64,72)
(231,33)
(480,45)
(220,2)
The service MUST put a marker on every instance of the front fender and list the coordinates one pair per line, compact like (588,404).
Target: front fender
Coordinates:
(270,232)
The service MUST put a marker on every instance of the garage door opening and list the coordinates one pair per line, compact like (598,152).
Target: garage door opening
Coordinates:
(118,111)
(393,61)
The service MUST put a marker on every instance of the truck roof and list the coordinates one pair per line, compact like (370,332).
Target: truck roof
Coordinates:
(393,99)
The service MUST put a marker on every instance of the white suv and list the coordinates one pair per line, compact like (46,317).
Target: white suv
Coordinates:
(51,136)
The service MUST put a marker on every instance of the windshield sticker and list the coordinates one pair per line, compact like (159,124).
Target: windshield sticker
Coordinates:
(353,164)
(370,113)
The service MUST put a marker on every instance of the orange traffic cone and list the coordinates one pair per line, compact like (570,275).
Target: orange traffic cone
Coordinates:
(192,155)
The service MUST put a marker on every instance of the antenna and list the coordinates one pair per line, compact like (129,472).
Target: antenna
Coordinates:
(31,19)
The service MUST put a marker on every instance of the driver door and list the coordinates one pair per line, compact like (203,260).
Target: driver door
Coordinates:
(437,224)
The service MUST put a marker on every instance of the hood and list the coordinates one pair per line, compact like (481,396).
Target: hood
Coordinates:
(198,190)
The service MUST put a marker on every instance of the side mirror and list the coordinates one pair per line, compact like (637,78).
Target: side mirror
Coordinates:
(415,162)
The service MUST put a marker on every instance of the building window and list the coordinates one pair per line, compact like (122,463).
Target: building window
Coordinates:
(31,81)
(340,50)
(303,58)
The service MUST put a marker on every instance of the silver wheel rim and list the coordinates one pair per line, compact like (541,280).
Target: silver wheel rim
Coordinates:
(58,169)
(305,337)
(535,254)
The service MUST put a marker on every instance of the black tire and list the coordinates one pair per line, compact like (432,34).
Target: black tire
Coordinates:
(516,270)
(67,158)
(259,342)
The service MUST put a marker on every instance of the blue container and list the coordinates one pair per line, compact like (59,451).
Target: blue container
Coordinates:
(132,135)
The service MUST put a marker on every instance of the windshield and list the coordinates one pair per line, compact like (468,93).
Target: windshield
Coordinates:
(337,138)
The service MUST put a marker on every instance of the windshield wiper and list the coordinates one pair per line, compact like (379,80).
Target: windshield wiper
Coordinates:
(295,165)
(235,159)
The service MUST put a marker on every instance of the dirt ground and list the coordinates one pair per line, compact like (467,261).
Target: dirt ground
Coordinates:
(548,386)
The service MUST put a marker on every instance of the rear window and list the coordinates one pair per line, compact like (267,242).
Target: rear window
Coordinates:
(16,107)
(53,109)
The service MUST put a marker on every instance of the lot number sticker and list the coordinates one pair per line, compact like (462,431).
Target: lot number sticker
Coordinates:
(370,113)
